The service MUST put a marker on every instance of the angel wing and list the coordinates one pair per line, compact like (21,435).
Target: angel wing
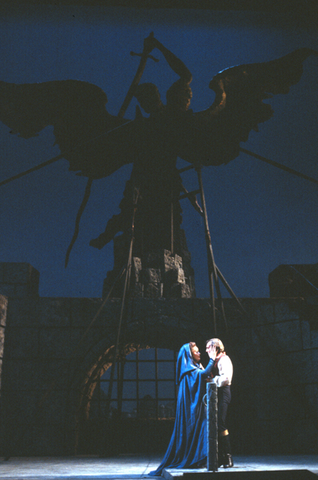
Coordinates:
(78,114)
(238,107)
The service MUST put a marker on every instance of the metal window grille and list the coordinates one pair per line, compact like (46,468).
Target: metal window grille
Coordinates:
(143,386)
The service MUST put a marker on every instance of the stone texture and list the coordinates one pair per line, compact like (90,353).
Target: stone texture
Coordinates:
(284,336)
(136,268)
(59,343)
(154,275)
(304,364)
(290,281)
(307,336)
(283,311)
(53,312)
(265,314)
(22,311)
(3,310)
(22,342)
(90,312)
(34,374)
(18,279)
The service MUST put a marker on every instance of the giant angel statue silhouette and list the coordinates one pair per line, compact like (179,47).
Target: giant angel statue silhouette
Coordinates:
(96,143)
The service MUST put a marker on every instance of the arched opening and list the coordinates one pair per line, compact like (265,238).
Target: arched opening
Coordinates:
(140,415)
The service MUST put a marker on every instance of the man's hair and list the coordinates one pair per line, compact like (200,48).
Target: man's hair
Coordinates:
(217,342)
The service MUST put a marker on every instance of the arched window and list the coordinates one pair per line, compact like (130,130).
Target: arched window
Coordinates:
(143,386)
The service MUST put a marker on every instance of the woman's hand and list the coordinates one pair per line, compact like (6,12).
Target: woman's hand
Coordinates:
(212,352)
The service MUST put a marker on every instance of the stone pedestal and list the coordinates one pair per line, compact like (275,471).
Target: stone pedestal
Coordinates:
(153,275)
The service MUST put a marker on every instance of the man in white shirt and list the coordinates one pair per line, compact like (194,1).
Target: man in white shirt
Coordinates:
(222,374)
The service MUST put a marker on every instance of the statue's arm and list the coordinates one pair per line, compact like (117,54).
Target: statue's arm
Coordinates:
(174,62)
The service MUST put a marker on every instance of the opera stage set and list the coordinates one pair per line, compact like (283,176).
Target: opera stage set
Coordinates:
(100,287)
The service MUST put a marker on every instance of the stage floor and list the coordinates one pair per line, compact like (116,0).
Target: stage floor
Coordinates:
(132,467)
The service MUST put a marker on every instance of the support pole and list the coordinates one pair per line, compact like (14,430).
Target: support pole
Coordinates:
(229,289)
(123,304)
(212,427)
(213,276)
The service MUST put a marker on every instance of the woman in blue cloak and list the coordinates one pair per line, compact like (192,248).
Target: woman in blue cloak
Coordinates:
(188,444)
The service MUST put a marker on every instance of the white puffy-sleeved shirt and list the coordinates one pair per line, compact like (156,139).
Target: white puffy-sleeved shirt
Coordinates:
(225,375)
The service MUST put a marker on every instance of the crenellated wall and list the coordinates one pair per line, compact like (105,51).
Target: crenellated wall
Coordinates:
(53,351)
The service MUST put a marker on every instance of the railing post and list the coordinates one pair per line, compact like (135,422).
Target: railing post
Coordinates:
(212,427)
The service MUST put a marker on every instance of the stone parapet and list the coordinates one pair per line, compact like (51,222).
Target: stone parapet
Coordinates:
(18,280)
(288,281)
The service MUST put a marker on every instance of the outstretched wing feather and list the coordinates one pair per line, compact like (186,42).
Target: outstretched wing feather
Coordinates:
(78,114)
(239,104)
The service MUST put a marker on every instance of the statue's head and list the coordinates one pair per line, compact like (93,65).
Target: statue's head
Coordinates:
(179,96)
(148,97)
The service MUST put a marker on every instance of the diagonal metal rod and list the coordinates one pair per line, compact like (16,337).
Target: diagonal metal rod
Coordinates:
(33,169)
(213,276)
(229,289)
(279,165)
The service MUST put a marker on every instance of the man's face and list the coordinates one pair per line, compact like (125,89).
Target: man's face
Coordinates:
(208,347)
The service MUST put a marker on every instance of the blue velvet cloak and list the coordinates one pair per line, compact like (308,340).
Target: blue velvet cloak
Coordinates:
(188,443)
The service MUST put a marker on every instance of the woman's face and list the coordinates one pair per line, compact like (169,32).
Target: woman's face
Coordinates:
(196,355)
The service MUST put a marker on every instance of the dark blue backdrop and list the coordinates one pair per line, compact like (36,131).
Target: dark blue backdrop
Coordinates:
(259,216)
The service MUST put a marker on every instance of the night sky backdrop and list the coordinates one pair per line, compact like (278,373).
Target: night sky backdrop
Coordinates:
(260,217)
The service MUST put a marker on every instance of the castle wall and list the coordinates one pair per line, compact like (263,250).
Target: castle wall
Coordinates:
(54,349)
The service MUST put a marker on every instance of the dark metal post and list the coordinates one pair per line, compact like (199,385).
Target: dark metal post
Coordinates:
(123,303)
(212,427)
(213,276)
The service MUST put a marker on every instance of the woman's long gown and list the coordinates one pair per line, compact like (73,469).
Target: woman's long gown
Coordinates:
(188,443)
